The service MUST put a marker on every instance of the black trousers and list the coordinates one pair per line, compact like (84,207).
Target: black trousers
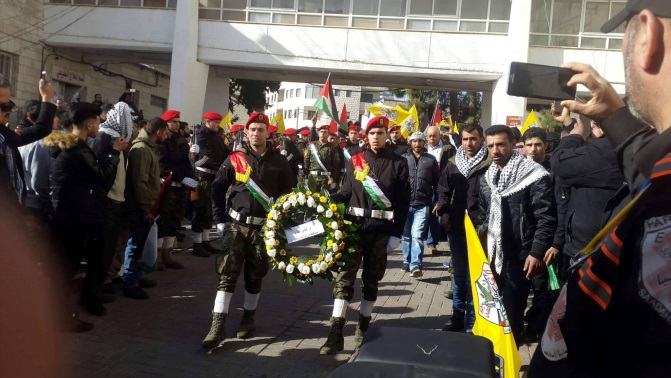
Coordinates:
(117,216)
(514,288)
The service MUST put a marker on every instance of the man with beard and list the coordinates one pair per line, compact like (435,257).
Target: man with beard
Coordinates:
(208,153)
(458,192)
(380,207)
(518,208)
(612,316)
(173,158)
(245,207)
(397,144)
(143,183)
(323,162)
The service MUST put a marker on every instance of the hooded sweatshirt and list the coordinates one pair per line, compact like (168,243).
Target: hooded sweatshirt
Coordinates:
(143,177)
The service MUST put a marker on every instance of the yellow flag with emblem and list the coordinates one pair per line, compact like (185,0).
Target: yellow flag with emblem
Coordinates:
(396,114)
(532,121)
(491,320)
(411,123)
(226,122)
(278,121)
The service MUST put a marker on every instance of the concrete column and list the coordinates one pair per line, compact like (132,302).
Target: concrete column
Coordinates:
(487,116)
(188,77)
(518,47)
(216,93)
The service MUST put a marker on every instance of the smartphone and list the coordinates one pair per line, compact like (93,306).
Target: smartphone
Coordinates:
(539,81)
(44,75)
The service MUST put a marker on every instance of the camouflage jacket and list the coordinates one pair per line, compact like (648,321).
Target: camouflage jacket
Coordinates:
(330,157)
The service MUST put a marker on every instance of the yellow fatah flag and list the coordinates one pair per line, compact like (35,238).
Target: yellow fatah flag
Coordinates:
(491,320)
(226,122)
(410,124)
(278,121)
(454,126)
(396,114)
(532,121)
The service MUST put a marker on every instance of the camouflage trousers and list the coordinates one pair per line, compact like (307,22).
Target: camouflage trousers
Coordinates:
(202,207)
(372,251)
(322,183)
(242,249)
(171,211)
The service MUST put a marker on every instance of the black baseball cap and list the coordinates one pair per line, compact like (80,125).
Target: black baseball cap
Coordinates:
(661,8)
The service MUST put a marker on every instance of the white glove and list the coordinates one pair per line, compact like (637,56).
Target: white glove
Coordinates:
(283,152)
(220,229)
(194,149)
(393,243)
(191,183)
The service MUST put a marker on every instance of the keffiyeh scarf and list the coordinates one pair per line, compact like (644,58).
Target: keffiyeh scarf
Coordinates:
(119,122)
(464,164)
(517,175)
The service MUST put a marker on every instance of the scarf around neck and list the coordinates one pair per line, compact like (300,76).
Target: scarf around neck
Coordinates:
(464,164)
(519,173)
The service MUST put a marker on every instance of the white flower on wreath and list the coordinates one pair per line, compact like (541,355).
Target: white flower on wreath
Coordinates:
(306,270)
(270,242)
(274,214)
(338,235)
(290,268)
(328,213)
(270,234)
(311,202)
(301,199)
(300,267)
(315,268)
(320,209)
(286,205)
(329,257)
(334,225)
(271,224)
(335,247)
(323,267)
(272,252)
(281,265)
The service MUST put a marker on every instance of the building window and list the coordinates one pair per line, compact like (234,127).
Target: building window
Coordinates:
(348,93)
(366,97)
(310,114)
(336,92)
(298,92)
(291,93)
(9,66)
(159,102)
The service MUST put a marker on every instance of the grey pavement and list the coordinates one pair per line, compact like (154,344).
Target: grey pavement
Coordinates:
(161,336)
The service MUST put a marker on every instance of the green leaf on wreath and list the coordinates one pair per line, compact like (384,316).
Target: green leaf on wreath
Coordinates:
(341,209)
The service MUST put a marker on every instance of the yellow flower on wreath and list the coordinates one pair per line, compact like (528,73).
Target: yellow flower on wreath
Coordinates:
(269,247)
(308,193)
(277,242)
(309,263)
(329,243)
(320,258)
(333,207)
(315,195)
(322,199)
(283,252)
(293,260)
(270,216)
(338,256)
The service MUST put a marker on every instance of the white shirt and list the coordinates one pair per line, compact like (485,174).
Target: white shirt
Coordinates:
(437,151)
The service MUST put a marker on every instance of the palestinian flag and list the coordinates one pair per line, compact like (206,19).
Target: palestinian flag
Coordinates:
(326,101)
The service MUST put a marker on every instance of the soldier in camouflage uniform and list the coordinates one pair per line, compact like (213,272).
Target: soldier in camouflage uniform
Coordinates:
(382,219)
(208,153)
(243,248)
(327,174)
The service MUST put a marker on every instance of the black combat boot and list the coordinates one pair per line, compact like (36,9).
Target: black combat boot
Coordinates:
(208,247)
(217,332)
(247,326)
(199,250)
(335,342)
(361,328)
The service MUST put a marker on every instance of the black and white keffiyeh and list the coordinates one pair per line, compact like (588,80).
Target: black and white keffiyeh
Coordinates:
(119,122)
(464,164)
(517,175)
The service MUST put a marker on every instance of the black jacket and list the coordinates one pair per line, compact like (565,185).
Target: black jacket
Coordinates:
(173,156)
(424,175)
(458,193)
(591,171)
(529,219)
(79,181)
(294,156)
(399,148)
(391,171)
(272,174)
(213,152)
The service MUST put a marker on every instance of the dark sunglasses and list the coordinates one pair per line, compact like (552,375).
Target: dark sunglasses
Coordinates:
(7,106)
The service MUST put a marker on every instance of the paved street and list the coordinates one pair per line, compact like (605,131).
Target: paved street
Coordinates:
(162,336)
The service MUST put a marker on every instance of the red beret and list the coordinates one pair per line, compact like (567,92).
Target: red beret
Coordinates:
(289,131)
(352,128)
(272,129)
(394,128)
(257,117)
(379,121)
(170,114)
(236,128)
(213,116)
(305,131)
(323,127)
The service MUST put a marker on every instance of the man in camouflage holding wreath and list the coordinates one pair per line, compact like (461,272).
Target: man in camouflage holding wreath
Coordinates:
(323,162)
(254,174)
(376,194)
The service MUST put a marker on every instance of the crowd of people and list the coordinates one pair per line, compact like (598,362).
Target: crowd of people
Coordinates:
(94,180)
